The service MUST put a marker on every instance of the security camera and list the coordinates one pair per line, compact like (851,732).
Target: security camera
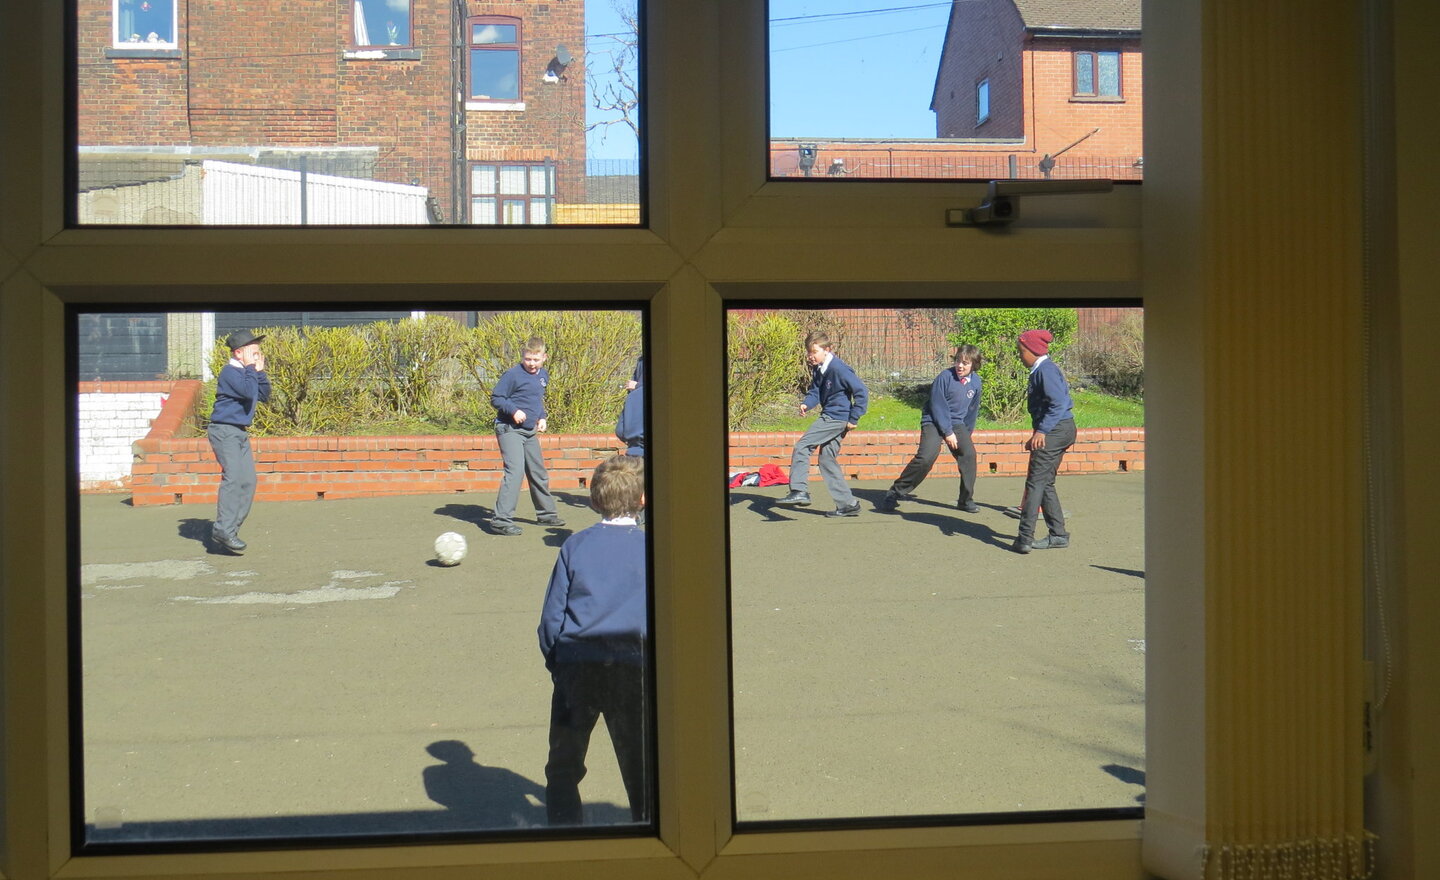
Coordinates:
(1002,204)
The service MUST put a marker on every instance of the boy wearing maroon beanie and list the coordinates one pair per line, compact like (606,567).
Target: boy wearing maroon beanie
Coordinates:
(1052,419)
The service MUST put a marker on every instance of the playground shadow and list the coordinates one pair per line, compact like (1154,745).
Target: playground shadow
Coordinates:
(474,514)
(1127,775)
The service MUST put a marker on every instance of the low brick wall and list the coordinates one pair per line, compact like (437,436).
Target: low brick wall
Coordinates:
(113,415)
(167,470)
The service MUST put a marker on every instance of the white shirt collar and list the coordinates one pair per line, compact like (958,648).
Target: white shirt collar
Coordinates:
(619,521)
(236,363)
(825,364)
(1035,366)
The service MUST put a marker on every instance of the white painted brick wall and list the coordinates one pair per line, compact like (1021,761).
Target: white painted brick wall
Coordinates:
(109,423)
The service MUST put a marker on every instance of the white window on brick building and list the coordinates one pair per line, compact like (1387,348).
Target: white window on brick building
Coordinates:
(382,23)
(144,24)
(982,101)
(512,193)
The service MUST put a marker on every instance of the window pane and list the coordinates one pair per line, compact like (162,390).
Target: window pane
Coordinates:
(982,101)
(540,211)
(1084,73)
(494,74)
(868,90)
(482,179)
(1109,63)
(918,666)
(382,22)
(280,694)
(540,179)
(238,124)
(492,33)
(145,22)
(513,211)
(512,179)
(482,211)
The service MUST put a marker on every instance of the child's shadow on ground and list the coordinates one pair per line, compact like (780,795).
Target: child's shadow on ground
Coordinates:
(494,797)
(572,500)
(952,523)
(196,529)
(762,504)
(474,514)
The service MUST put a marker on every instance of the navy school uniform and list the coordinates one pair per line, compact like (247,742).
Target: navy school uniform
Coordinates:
(1052,413)
(519,390)
(845,399)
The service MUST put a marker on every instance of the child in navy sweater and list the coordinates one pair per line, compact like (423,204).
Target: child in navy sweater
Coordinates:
(241,386)
(519,401)
(844,399)
(630,427)
(949,417)
(593,637)
(1052,419)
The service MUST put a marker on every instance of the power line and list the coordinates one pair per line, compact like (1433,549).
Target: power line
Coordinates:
(931,27)
(857,13)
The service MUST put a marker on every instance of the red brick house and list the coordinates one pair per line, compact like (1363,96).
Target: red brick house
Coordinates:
(1062,76)
(475,108)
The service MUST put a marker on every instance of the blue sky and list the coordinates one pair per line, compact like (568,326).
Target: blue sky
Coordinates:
(839,68)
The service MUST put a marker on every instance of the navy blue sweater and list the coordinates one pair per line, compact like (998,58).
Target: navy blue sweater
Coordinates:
(1048,396)
(954,402)
(595,608)
(519,390)
(630,427)
(238,390)
(839,391)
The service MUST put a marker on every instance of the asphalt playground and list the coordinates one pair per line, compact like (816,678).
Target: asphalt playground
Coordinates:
(334,680)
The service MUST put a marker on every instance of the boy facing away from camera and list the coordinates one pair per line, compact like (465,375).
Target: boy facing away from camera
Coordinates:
(844,399)
(593,632)
(519,401)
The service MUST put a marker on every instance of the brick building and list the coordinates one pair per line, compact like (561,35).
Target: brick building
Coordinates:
(476,107)
(1063,77)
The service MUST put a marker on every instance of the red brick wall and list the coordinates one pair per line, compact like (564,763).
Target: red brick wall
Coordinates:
(1060,118)
(184,471)
(985,41)
(552,125)
(127,101)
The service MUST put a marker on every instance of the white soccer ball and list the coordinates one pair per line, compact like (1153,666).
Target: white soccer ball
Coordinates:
(450,548)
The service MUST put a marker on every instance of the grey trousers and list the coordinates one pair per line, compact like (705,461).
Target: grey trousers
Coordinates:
(1040,483)
(520,451)
(823,434)
(237,476)
(930,445)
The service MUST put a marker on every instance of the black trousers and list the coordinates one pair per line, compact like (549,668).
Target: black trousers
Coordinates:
(583,692)
(1040,482)
(930,445)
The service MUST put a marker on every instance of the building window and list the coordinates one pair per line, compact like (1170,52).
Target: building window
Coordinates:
(494,58)
(1097,74)
(144,24)
(382,23)
(512,194)
(982,101)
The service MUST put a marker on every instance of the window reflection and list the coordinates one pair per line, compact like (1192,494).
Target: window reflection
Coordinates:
(895,653)
(309,582)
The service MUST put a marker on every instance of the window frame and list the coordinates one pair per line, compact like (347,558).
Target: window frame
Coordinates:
(548,198)
(517,48)
(982,101)
(116,41)
(1095,94)
(356,45)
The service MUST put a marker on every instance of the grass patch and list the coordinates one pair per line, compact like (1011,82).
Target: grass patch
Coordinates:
(1092,410)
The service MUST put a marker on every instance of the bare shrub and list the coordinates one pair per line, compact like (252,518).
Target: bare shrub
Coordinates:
(1112,359)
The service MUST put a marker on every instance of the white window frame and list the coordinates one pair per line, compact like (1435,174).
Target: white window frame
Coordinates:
(982,101)
(120,41)
(710,234)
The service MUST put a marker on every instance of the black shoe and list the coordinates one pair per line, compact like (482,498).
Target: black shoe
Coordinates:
(550,520)
(509,530)
(969,507)
(225,542)
(1021,545)
(851,509)
(795,499)
(889,503)
(1052,542)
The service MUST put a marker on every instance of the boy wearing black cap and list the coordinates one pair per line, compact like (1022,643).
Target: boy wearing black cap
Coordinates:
(1052,418)
(241,386)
